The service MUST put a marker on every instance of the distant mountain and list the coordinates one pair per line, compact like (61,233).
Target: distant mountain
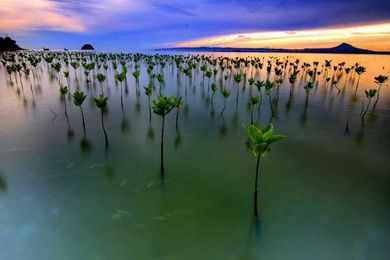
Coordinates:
(342,48)
(8,44)
(346,47)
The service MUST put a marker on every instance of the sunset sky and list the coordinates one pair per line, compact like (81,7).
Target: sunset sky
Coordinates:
(142,25)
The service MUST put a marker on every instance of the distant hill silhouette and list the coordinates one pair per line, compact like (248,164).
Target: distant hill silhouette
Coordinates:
(342,48)
(345,47)
(87,46)
(8,44)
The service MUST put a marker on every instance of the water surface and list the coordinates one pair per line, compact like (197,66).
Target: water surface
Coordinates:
(324,193)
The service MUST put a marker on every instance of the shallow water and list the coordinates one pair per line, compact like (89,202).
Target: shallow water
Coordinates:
(324,193)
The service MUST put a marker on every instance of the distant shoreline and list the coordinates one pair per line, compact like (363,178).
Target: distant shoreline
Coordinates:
(341,49)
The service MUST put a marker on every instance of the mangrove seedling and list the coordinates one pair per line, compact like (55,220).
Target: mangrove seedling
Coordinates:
(380,80)
(75,65)
(369,94)
(259,143)
(121,77)
(213,90)
(225,94)
(101,78)
(101,102)
(162,106)
(268,86)
(66,74)
(251,81)
(78,99)
(253,100)
(148,93)
(308,87)
(136,74)
(178,106)
(237,78)
(292,79)
(63,91)
(160,79)
(208,75)
(259,84)
(359,70)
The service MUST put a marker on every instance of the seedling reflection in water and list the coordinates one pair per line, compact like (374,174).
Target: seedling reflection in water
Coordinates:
(259,143)
(162,106)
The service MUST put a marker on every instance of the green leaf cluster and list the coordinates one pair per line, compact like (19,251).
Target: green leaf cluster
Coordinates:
(260,140)
(101,101)
(78,97)
(163,105)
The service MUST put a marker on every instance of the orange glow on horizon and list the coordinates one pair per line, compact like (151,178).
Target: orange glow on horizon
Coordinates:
(374,37)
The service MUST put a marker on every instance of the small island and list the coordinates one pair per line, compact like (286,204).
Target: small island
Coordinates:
(87,47)
(8,44)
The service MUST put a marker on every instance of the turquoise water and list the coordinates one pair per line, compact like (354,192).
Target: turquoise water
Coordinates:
(324,193)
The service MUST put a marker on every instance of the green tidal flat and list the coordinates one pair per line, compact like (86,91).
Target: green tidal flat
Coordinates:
(323,191)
